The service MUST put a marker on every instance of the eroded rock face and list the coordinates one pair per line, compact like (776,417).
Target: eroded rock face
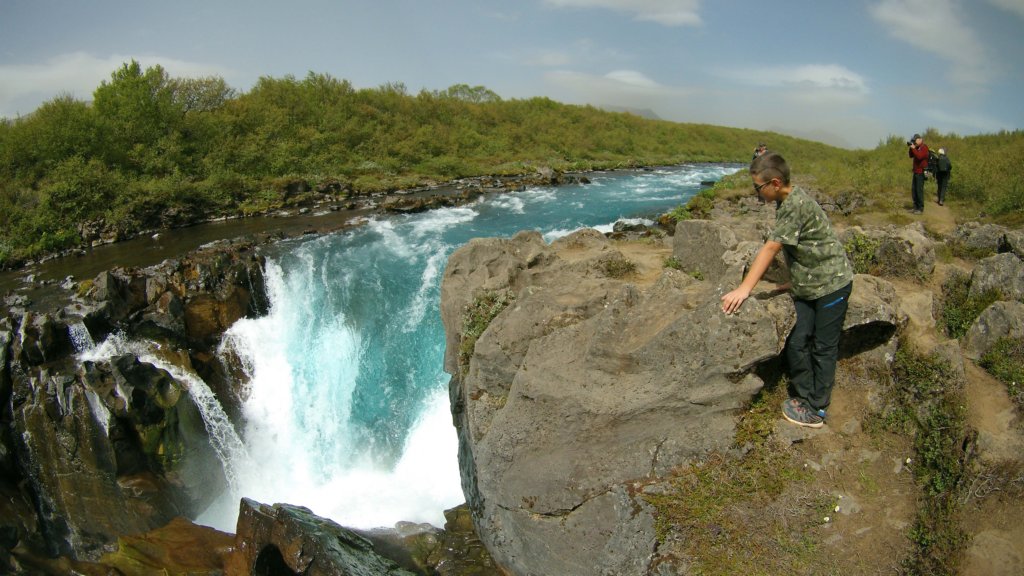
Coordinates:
(91,450)
(586,386)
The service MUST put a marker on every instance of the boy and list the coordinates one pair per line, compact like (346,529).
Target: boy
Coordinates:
(821,281)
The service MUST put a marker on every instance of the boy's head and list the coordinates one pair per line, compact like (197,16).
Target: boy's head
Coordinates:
(769,168)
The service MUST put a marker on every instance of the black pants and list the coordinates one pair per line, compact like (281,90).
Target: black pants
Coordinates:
(942,179)
(812,348)
(917,191)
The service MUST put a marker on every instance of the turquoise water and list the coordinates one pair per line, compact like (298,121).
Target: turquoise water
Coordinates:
(347,408)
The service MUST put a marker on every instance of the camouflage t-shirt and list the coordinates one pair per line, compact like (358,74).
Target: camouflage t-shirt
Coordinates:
(817,261)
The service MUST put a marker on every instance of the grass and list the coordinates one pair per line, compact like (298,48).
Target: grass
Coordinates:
(959,309)
(753,514)
(924,400)
(1005,361)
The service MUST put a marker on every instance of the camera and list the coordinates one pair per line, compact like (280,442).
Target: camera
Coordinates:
(910,142)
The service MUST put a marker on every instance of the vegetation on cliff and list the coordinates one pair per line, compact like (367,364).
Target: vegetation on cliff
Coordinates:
(152,151)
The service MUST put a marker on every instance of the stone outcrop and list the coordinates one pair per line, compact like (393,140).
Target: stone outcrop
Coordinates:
(586,386)
(1003,273)
(999,320)
(91,450)
(282,539)
(902,252)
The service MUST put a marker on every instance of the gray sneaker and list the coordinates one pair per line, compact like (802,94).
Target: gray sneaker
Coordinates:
(798,412)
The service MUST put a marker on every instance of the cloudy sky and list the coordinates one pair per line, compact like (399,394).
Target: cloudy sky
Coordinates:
(849,73)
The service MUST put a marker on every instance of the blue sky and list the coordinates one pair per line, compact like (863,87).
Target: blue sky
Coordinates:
(848,73)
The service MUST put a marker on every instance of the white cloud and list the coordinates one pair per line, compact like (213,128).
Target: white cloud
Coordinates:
(831,77)
(665,12)
(933,26)
(633,78)
(619,87)
(23,87)
(1015,6)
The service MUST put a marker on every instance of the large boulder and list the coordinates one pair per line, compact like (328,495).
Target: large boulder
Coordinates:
(999,320)
(585,385)
(891,251)
(980,239)
(722,250)
(1003,273)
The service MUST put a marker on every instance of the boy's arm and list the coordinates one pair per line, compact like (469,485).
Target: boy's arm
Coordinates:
(732,301)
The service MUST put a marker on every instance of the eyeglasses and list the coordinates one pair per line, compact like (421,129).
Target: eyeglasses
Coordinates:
(757,188)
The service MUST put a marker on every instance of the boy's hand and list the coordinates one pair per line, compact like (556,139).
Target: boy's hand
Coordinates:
(731,302)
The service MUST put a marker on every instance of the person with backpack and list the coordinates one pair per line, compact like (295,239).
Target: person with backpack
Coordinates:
(943,168)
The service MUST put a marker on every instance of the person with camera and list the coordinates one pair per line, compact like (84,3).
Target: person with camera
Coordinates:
(918,152)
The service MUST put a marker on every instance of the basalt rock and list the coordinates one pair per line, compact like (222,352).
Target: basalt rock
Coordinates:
(999,320)
(92,450)
(1003,273)
(283,539)
(586,386)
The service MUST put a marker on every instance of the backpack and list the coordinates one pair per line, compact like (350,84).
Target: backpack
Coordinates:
(933,162)
(943,164)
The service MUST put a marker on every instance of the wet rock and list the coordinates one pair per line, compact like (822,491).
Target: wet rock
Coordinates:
(284,539)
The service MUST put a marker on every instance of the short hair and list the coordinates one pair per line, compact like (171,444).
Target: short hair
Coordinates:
(770,165)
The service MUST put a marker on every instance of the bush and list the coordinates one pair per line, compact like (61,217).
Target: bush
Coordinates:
(618,267)
(863,253)
(477,318)
(959,308)
(1005,361)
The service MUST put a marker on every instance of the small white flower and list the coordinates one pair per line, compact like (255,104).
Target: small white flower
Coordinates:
(827,519)
(837,509)
(908,460)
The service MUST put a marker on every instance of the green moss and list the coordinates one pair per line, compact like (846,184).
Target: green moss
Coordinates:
(478,316)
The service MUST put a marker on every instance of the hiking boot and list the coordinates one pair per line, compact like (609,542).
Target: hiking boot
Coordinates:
(798,412)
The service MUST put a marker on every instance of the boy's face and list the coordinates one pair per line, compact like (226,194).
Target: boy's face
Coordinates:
(768,190)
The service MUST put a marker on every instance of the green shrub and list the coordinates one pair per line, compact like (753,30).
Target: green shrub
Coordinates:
(673,262)
(959,308)
(924,400)
(863,253)
(477,317)
(618,267)
(1005,361)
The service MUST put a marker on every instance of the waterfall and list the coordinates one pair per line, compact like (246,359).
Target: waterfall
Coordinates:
(224,439)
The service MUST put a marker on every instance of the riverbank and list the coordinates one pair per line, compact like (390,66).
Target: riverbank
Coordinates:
(35,283)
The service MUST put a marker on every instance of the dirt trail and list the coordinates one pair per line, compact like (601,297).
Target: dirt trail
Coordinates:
(879,501)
